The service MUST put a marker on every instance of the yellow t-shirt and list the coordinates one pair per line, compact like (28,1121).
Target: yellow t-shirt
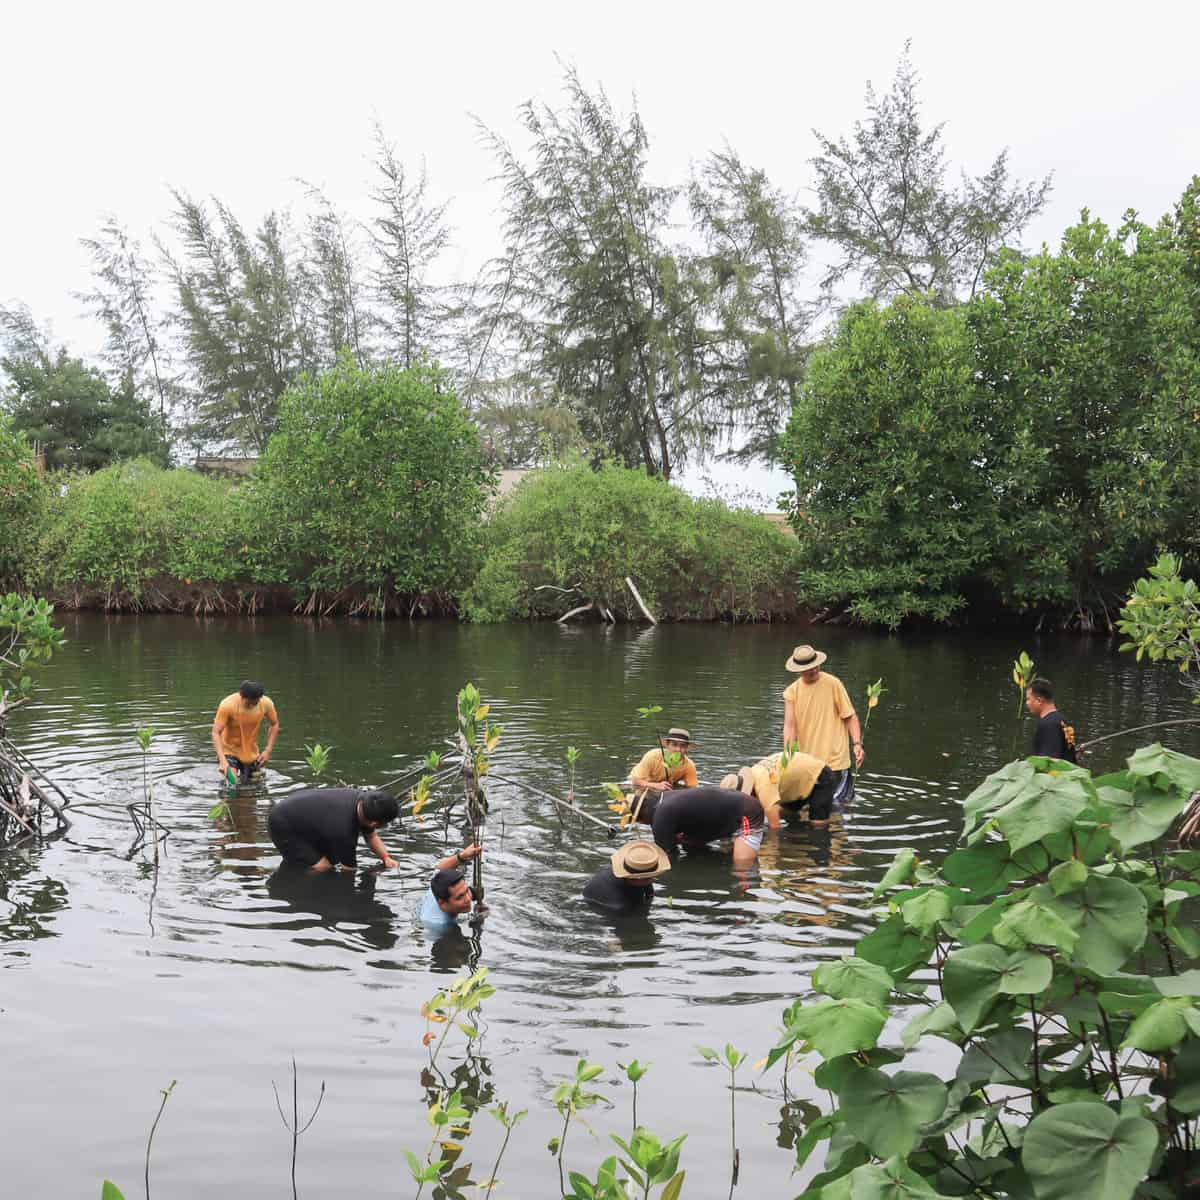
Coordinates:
(821,710)
(653,768)
(789,786)
(239,725)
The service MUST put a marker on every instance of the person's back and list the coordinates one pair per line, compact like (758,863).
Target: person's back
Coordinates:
(703,814)
(316,823)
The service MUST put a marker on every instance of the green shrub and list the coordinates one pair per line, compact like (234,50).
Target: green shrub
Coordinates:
(20,501)
(583,530)
(374,486)
(1066,987)
(133,527)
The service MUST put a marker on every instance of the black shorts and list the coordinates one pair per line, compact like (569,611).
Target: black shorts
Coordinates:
(819,800)
(245,771)
(294,848)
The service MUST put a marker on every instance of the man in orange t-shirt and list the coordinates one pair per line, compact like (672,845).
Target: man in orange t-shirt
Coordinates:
(819,718)
(235,730)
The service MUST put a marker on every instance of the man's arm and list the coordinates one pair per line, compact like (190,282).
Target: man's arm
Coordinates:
(640,775)
(218,745)
(272,734)
(854,729)
(322,864)
(690,778)
(376,844)
(456,860)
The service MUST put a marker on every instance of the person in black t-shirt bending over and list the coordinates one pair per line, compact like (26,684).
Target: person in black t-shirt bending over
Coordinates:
(623,883)
(320,827)
(1053,737)
(695,816)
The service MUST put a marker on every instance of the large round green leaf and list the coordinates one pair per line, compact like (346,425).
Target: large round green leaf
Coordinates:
(895,947)
(1108,914)
(1049,804)
(854,977)
(1141,814)
(997,790)
(1164,767)
(975,975)
(1163,1025)
(1079,1150)
(885,1112)
(838,1026)
(891,1181)
(984,869)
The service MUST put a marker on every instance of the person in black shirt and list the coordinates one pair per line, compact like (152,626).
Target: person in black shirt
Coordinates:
(1053,737)
(624,882)
(320,827)
(694,816)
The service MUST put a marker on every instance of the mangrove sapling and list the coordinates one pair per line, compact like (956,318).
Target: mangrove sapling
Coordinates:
(649,1161)
(500,1112)
(317,757)
(1022,675)
(448,1006)
(570,1098)
(732,1059)
(144,816)
(874,691)
(166,1095)
(294,1127)
(445,1117)
(634,1072)
(572,757)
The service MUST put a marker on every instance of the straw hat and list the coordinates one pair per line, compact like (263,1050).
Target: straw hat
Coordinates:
(675,734)
(640,860)
(739,781)
(804,658)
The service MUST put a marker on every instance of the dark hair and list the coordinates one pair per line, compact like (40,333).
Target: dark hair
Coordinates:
(443,883)
(380,806)
(251,691)
(1041,689)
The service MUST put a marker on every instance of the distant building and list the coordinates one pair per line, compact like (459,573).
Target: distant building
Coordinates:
(230,468)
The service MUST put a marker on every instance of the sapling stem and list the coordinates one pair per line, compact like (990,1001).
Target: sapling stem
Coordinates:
(166,1095)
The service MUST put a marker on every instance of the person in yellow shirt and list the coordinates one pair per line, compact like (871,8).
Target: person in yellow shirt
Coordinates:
(659,771)
(819,719)
(235,730)
(785,789)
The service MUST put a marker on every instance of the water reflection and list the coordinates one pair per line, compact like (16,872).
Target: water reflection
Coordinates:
(332,900)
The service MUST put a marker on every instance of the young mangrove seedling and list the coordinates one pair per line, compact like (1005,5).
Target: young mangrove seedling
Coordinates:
(500,1112)
(570,1098)
(874,691)
(446,1116)
(572,758)
(294,1126)
(732,1059)
(648,1162)
(317,757)
(448,1006)
(634,1072)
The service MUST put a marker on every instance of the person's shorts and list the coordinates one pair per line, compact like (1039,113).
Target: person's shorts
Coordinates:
(820,800)
(245,771)
(751,834)
(294,848)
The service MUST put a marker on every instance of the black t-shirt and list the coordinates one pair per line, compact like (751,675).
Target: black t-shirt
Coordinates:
(703,814)
(605,889)
(1054,738)
(320,821)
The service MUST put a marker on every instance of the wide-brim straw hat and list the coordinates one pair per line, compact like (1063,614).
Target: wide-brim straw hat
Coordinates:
(739,781)
(805,658)
(640,860)
(675,734)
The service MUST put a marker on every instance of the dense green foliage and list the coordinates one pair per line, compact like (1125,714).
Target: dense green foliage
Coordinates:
(134,535)
(1161,619)
(1063,965)
(581,532)
(1029,450)
(28,637)
(374,485)
(77,419)
(20,496)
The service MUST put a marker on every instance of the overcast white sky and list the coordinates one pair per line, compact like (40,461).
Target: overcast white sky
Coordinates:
(106,104)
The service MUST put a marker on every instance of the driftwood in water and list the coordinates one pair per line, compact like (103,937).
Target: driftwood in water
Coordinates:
(640,602)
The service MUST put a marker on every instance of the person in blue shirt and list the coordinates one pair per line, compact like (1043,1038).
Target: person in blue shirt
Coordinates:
(448,895)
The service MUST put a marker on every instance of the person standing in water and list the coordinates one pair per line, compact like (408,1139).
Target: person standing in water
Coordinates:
(1053,737)
(235,731)
(819,718)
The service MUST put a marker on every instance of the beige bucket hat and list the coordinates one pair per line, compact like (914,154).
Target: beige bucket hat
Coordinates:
(640,860)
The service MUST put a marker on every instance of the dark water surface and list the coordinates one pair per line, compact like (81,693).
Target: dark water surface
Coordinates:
(116,978)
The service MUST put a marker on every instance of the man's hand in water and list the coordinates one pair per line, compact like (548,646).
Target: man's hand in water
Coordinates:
(263,759)
(390,862)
